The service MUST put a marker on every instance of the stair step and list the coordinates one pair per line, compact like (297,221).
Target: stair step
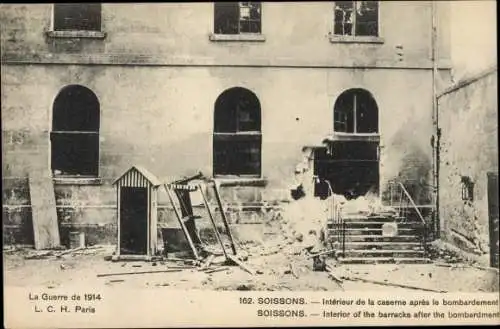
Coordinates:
(385,260)
(400,253)
(371,231)
(381,246)
(377,238)
(379,224)
(354,218)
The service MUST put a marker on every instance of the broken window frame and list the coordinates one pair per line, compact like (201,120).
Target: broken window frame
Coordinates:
(467,187)
(352,114)
(245,142)
(241,5)
(354,20)
(63,139)
(65,20)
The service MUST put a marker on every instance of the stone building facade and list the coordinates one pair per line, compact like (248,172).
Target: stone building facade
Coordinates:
(468,116)
(233,91)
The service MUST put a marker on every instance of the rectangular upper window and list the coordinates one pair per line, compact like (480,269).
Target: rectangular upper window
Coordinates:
(77,17)
(237,17)
(356,18)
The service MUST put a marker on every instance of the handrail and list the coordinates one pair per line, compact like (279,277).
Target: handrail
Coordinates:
(330,191)
(424,223)
(338,223)
(412,202)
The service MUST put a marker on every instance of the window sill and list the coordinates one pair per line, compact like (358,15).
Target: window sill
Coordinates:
(345,137)
(77,180)
(240,181)
(77,34)
(355,39)
(253,37)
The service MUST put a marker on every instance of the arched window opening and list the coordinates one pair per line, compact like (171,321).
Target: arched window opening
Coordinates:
(237,135)
(355,111)
(75,132)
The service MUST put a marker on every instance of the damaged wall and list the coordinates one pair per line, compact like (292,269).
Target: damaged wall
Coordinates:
(157,75)
(469,150)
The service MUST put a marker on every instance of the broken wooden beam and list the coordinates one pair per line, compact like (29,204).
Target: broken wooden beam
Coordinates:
(39,255)
(212,220)
(243,266)
(141,272)
(330,270)
(181,223)
(293,272)
(390,284)
(224,219)
(217,269)
(69,251)
(207,262)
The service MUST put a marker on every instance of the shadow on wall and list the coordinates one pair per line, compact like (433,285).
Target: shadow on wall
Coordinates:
(413,169)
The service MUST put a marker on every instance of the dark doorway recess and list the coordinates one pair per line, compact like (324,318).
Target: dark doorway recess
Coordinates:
(133,220)
(352,169)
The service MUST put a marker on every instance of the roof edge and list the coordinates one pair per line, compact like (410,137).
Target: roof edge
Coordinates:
(468,80)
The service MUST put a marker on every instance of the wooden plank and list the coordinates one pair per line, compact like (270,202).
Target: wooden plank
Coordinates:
(213,221)
(141,272)
(224,219)
(179,219)
(43,207)
(243,266)
(207,262)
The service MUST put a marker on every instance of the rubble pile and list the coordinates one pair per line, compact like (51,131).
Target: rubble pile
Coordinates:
(369,204)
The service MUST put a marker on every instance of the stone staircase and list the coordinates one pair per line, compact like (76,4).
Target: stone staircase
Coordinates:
(365,243)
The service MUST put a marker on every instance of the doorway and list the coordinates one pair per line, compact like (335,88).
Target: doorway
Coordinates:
(133,220)
(352,169)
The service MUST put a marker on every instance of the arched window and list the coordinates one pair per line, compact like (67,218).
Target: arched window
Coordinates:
(237,134)
(355,111)
(75,132)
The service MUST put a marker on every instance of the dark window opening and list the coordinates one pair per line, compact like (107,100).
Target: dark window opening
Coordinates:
(77,17)
(356,18)
(75,132)
(355,111)
(237,17)
(467,188)
(237,138)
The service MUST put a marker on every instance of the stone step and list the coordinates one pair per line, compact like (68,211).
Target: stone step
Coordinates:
(373,231)
(379,224)
(377,238)
(362,218)
(371,246)
(395,253)
(384,260)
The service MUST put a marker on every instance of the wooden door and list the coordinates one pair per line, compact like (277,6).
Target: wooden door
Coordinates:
(133,221)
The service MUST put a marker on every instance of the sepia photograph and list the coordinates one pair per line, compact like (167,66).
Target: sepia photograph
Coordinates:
(336,146)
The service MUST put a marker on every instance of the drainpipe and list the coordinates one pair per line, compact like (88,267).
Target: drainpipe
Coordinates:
(435,117)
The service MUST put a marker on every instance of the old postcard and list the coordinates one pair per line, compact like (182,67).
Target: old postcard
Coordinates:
(249,164)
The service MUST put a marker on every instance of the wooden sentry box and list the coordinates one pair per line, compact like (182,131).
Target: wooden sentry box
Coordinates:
(137,195)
